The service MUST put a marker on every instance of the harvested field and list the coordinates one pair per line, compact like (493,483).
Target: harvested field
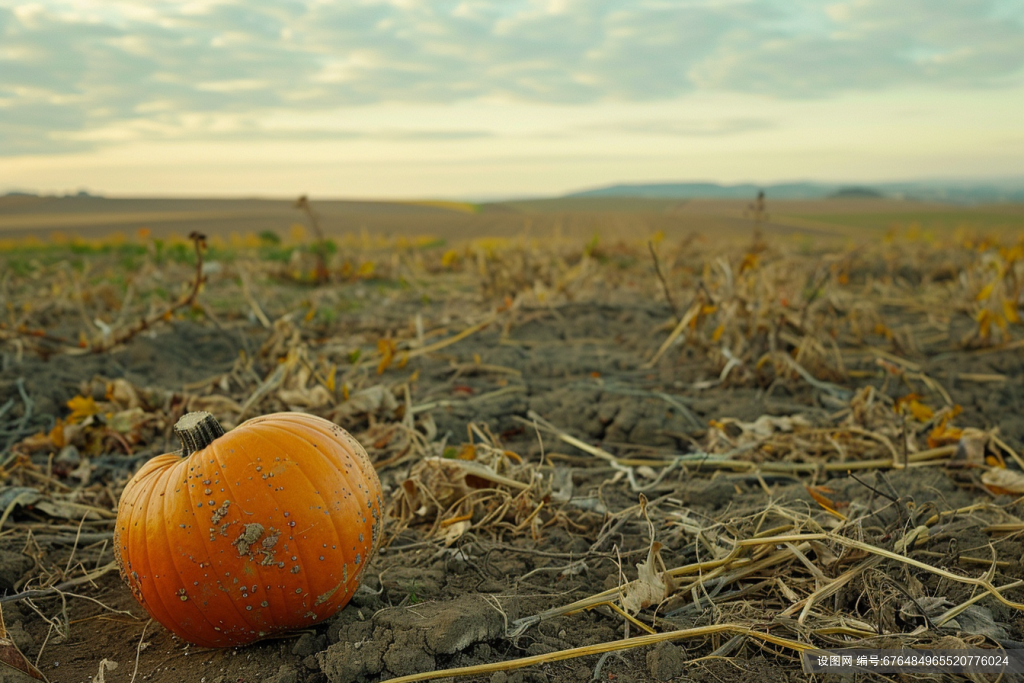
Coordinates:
(693,455)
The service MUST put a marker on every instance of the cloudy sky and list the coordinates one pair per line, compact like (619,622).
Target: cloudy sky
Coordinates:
(462,98)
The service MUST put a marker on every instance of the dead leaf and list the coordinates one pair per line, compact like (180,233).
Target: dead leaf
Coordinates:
(978,620)
(120,391)
(82,407)
(761,428)
(13,496)
(14,666)
(126,421)
(215,403)
(57,436)
(105,665)
(944,435)
(377,400)
(35,443)
(824,553)
(386,348)
(455,531)
(308,397)
(970,449)
(65,510)
(787,592)
(1003,481)
(651,586)
(920,411)
(910,610)
(827,504)
(83,472)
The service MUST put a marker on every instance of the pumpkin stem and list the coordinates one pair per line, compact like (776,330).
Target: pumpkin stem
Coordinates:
(197,430)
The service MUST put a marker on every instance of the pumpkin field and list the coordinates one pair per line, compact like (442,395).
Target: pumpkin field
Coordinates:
(617,443)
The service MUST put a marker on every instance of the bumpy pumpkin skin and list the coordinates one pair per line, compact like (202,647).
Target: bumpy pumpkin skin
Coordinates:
(267,529)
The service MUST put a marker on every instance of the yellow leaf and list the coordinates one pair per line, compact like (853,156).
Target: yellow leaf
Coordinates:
(1010,311)
(331,378)
(904,400)
(943,435)
(985,292)
(984,323)
(717,334)
(920,411)
(57,436)
(386,348)
(81,408)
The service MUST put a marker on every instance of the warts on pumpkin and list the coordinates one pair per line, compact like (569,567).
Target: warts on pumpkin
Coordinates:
(267,547)
(219,513)
(250,534)
(271,540)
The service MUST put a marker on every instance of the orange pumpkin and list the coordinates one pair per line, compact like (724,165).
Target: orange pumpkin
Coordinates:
(262,529)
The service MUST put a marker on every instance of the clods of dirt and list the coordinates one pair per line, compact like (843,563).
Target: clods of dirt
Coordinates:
(286,674)
(666,661)
(12,567)
(405,640)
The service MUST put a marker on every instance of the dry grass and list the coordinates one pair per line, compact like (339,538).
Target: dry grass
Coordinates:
(851,326)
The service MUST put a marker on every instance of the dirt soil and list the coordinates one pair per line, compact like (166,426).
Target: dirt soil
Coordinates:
(614,447)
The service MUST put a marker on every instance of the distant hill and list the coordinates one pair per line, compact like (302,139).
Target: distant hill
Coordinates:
(933,191)
(710,191)
(856,193)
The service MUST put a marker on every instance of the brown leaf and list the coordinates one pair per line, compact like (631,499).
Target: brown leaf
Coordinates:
(818,494)
(11,658)
(120,391)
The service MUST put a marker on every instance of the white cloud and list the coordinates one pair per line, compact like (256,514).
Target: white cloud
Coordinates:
(71,66)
